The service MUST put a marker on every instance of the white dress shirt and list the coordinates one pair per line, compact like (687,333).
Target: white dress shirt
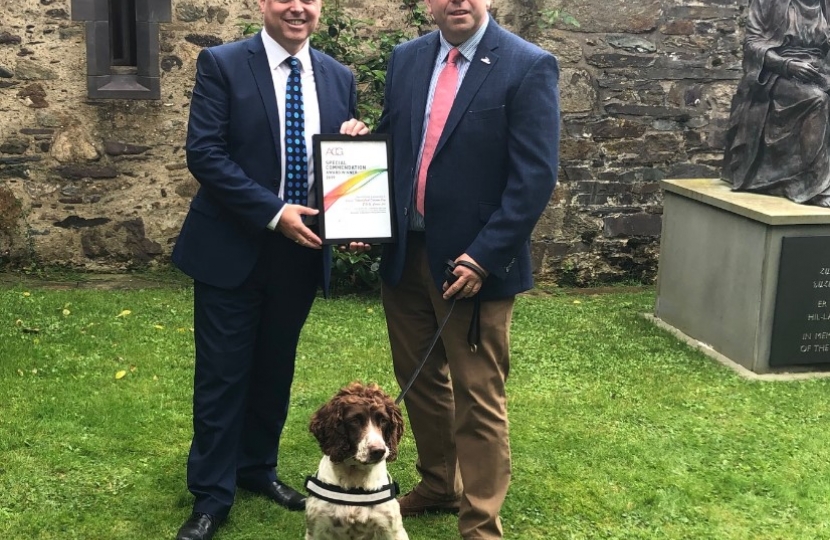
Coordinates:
(311,108)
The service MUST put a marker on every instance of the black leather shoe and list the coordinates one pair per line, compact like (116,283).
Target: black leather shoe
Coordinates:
(281,494)
(198,526)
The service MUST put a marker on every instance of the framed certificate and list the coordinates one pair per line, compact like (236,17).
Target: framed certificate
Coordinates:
(353,183)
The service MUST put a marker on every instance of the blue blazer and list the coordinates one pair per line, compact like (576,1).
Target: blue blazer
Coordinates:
(495,167)
(233,150)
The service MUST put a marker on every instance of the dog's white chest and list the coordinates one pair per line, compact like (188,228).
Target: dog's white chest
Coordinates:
(327,521)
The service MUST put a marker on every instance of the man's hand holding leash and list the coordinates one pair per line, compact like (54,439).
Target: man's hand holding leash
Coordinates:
(468,281)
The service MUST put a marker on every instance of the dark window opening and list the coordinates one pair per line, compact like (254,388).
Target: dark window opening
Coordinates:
(123,44)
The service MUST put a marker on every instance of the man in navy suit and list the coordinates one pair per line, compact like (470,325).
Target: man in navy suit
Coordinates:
(252,252)
(472,193)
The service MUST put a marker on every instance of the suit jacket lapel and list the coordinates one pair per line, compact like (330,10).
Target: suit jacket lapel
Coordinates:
(265,83)
(422,68)
(325,93)
(473,79)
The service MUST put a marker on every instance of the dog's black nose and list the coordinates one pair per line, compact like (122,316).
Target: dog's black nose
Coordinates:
(376,454)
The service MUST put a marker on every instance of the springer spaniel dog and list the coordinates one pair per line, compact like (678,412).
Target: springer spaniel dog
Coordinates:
(352,496)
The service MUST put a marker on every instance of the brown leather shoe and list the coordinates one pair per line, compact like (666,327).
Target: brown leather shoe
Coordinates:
(414,504)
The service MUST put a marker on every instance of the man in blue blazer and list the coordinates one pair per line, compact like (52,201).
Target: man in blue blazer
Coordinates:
(252,251)
(470,192)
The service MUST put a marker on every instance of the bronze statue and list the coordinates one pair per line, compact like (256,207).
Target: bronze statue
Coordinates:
(778,142)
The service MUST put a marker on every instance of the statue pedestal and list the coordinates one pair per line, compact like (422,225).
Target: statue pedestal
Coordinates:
(748,275)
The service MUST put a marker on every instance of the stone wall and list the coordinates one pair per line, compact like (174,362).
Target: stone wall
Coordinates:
(102,184)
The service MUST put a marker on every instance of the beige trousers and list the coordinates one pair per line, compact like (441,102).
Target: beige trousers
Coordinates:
(457,406)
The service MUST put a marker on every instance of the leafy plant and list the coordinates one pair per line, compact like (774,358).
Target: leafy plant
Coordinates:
(549,17)
(249,28)
(344,38)
(354,271)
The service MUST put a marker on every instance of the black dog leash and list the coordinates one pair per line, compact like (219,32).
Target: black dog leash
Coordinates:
(473,334)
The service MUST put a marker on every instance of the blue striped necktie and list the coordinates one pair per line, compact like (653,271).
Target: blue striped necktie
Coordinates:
(296,167)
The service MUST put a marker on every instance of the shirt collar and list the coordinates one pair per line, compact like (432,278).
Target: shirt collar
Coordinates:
(277,54)
(468,48)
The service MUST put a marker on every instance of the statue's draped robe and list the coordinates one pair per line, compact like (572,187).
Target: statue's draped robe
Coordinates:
(778,141)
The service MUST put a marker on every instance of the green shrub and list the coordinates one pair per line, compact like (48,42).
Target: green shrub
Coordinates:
(357,44)
(354,272)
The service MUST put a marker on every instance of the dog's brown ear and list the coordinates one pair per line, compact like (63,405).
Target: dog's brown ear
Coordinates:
(328,428)
(394,431)
(319,419)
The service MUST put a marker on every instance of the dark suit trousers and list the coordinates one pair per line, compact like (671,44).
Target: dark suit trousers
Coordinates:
(246,342)
(457,406)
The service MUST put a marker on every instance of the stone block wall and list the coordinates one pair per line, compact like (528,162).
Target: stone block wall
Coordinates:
(646,89)
(102,184)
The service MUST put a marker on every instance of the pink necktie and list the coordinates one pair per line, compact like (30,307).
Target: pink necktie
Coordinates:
(441,105)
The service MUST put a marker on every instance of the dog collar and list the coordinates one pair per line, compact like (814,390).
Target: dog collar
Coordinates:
(351,497)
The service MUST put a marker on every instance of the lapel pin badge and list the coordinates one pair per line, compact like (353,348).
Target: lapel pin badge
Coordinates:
(486,60)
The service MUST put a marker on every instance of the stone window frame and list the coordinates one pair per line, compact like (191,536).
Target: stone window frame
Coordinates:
(106,81)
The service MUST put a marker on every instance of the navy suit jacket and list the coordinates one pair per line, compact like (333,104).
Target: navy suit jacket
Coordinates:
(233,150)
(495,167)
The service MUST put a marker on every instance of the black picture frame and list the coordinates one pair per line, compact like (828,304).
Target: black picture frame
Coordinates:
(354,188)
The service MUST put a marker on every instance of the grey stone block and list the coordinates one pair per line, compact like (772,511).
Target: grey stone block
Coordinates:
(147,49)
(123,87)
(153,11)
(97,48)
(89,10)
(719,260)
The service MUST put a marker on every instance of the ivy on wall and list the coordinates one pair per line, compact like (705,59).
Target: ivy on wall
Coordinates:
(366,50)
(549,17)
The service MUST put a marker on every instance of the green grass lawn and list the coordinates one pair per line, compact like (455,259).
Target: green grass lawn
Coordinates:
(618,431)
